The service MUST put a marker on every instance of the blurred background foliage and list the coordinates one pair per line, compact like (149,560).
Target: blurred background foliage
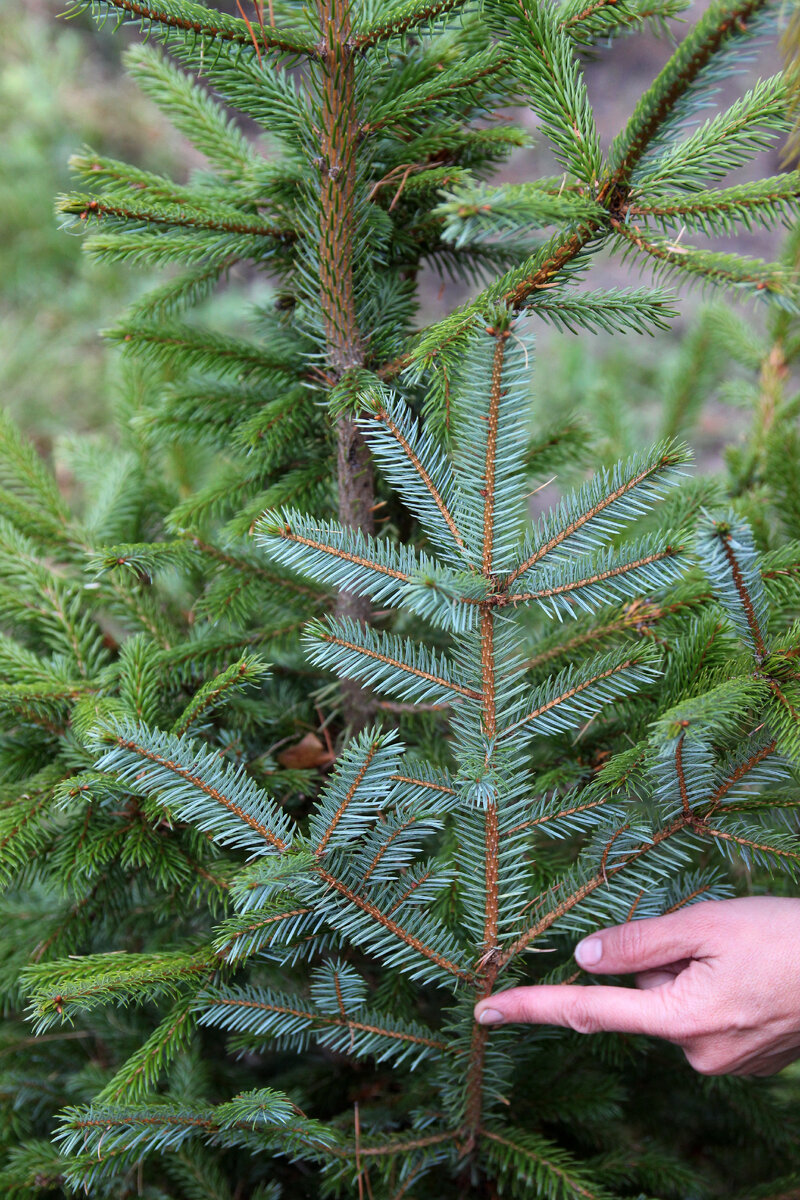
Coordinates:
(62,86)
(58,88)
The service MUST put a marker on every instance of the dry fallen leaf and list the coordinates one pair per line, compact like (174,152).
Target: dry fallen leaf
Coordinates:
(308,753)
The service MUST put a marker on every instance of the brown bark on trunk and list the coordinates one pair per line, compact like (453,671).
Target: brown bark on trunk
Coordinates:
(356,509)
(339,137)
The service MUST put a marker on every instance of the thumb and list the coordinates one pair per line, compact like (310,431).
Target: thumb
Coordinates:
(645,944)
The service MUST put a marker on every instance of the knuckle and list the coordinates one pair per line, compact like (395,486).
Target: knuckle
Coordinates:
(739,1020)
(706,1061)
(706,918)
(628,940)
(581,1018)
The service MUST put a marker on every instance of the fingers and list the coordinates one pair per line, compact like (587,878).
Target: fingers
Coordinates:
(653,979)
(646,944)
(659,976)
(584,1009)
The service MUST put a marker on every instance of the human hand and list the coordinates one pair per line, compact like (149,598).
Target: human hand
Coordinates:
(721,979)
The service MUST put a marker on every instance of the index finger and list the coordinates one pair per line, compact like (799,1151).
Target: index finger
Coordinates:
(584,1009)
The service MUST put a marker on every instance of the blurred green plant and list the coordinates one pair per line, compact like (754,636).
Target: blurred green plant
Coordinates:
(59,85)
(728,384)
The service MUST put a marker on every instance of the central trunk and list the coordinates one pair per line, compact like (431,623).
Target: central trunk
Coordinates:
(339,139)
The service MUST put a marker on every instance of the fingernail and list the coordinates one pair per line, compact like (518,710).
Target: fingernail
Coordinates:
(490,1016)
(588,953)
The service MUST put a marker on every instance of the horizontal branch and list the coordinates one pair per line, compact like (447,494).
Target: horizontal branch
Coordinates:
(402,1147)
(727,269)
(401,24)
(719,211)
(638,616)
(287,534)
(684,900)
(424,101)
(385,418)
(560,815)
(664,461)
(541,1162)
(322,1019)
(739,773)
(568,695)
(86,209)
(423,783)
(404,667)
(601,576)
(254,927)
(590,885)
(351,791)
(201,785)
(249,568)
(724,835)
(203,22)
(720,23)
(690,819)
(396,930)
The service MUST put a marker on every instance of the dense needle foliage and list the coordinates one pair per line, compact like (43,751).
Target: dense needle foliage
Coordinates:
(311,737)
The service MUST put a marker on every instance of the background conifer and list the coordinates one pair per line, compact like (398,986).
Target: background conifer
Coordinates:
(262,899)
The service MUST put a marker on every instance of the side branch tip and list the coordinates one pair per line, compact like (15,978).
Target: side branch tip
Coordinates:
(743,594)
(139,10)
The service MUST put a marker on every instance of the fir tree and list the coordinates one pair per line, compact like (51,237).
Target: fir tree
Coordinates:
(543,727)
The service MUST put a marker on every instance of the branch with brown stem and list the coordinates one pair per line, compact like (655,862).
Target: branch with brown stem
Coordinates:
(339,139)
